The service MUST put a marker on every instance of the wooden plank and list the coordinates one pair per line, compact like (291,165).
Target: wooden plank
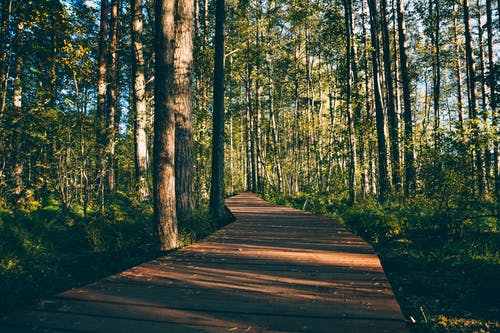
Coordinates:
(276,269)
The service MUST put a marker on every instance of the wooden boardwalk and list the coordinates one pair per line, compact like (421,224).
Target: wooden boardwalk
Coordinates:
(275,269)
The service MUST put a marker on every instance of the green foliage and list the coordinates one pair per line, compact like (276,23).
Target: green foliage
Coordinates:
(45,249)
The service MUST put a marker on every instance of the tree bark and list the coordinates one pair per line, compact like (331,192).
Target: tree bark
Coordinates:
(471,88)
(458,70)
(101,101)
(391,107)
(350,118)
(4,59)
(112,93)
(183,63)
(493,97)
(139,100)
(217,188)
(17,103)
(436,65)
(410,174)
(165,215)
(384,185)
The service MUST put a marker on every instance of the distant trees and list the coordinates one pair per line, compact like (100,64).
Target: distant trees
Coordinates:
(361,98)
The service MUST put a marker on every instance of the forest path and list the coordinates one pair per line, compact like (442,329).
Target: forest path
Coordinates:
(275,269)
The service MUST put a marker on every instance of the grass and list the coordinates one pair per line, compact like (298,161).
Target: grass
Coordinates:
(445,282)
(45,249)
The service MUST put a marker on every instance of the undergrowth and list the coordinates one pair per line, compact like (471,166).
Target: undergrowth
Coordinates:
(444,265)
(45,248)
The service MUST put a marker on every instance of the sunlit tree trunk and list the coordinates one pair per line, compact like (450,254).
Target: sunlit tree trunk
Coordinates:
(101,101)
(139,100)
(471,90)
(435,13)
(485,151)
(410,174)
(384,185)
(491,83)
(458,71)
(112,93)
(350,120)
(165,215)
(250,172)
(183,61)
(391,106)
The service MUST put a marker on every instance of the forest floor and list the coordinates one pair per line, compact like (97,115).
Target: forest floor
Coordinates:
(444,284)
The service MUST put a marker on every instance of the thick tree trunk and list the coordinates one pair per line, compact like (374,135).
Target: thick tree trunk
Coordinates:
(384,185)
(183,61)
(217,188)
(165,215)
(410,174)
(391,107)
(139,100)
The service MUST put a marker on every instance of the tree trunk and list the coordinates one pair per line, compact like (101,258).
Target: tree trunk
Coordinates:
(350,120)
(17,103)
(112,94)
(217,188)
(410,174)
(165,215)
(494,112)
(384,184)
(183,61)
(101,101)
(139,100)
(4,59)
(436,66)
(391,107)
(471,88)
(484,112)
(458,70)
(250,172)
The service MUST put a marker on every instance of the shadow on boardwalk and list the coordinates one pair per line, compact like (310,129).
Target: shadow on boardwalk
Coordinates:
(275,269)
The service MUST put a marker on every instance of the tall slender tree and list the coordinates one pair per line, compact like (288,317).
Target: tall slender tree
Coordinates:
(471,91)
(101,100)
(493,103)
(217,183)
(384,184)
(139,99)
(409,152)
(112,94)
(165,215)
(390,98)
(350,118)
